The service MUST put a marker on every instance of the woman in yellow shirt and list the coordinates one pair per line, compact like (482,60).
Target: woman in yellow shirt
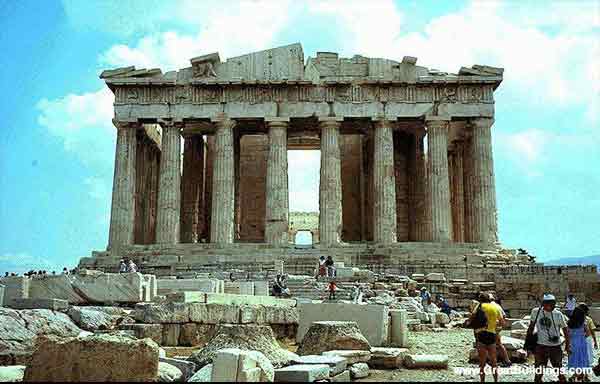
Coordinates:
(486,337)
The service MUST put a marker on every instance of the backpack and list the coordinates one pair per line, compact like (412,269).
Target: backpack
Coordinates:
(478,319)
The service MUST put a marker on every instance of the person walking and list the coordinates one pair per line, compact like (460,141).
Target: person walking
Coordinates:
(548,322)
(578,353)
(592,342)
(332,287)
(322,267)
(500,347)
(485,336)
(330,268)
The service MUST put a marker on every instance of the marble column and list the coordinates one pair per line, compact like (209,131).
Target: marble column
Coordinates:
(438,180)
(191,186)
(277,207)
(468,221)
(330,183)
(169,187)
(122,213)
(484,191)
(384,181)
(457,193)
(223,188)
(417,188)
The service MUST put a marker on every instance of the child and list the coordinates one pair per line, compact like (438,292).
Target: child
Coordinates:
(332,289)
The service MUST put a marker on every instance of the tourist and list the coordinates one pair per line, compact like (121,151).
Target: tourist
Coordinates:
(322,267)
(330,268)
(570,304)
(285,291)
(277,288)
(122,266)
(485,337)
(578,353)
(499,346)
(591,339)
(357,294)
(65,271)
(444,306)
(332,288)
(6,274)
(425,298)
(548,322)
(131,267)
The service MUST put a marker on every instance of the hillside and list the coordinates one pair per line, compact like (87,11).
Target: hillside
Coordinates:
(586,260)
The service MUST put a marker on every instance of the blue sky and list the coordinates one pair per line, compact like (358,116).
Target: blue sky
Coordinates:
(57,140)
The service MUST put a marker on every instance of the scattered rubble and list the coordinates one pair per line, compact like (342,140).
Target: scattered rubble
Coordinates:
(326,335)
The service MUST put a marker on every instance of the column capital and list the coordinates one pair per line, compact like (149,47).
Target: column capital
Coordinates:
(276,119)
(482,122)
(170,123)
(381,122)
(223,122)
(124,124)
(330,121)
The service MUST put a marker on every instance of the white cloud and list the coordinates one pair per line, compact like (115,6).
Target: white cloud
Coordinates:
(84,124)
(231,29)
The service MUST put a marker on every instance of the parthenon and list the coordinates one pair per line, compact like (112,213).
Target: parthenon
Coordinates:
(406,152)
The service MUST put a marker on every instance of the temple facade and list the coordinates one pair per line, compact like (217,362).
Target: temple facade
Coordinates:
(201,154)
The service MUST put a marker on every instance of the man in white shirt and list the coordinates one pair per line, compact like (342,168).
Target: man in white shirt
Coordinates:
(550,321)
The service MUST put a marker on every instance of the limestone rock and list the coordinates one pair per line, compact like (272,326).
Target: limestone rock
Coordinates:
(511,343)
(441,318)
(352,357)
(92,320)
(95,358)
(337,364)
(246,337)
(332,335)
(359,371)
(236,365)
(436,277)
(341,377)
(168,373)
(387,358)
(204,375)
(304,373)
(152,313)
(12,374)
(18,330)
(426,361)
(520,325)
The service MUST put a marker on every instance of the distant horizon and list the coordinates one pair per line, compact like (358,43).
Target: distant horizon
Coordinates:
(57,143)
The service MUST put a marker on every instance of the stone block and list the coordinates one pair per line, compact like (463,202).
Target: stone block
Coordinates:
(351,356)
(359,371)
(142,331)
(214,313)
(165,286)
(337,364)
(12,374)
(152,313)
(1,295)
(260,314)
(441,318)
(426,361)
(387,358)
(305,373)
(343,377)
(399,328)
(51,304)
(236,365)
(512,343)
(261,288)
(372,320)
(204,375)
(15,287)
(223,298)
(170,334)
(344,272)
(435,277)
(186,297)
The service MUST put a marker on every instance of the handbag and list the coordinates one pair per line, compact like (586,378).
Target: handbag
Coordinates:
(478,319)
(531,339)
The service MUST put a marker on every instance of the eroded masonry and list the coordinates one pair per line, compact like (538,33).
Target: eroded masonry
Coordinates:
(406,175)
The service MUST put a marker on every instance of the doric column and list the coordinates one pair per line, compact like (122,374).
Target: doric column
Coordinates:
(169,185)
(417,188)
(122,213)
(468,219)
(457,193)
(438,183)
(330,183)
(484,191)
(277,208)
(384,181)
(223,189)
(192,192)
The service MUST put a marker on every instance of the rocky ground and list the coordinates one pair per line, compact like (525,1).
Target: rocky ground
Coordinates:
(455,343)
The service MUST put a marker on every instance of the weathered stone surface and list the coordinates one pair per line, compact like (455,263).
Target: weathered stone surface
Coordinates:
(29,303)
(18,330)
(387,358)
(511,343)
(165,286)
(92,320)
(187,368)
(441,318)
(228,299)
(330,185)
(304,373)
(437,277)
(327,335)
(277,204)
(12,374)
(384,180)
(359,371)
(214,313)
(399,328)
(168,373)
(236,365)
(142,331)
(262,314)
(204,375)
(246,337)
(2,295)
(169,190)
(372,320)
(351,356)
(438,179)
(151,313)
(341,377)
(170,334)
(337,364)
(94,358)
(426,361)
(519,325)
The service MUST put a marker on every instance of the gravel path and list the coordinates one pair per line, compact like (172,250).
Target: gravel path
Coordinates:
(455,343)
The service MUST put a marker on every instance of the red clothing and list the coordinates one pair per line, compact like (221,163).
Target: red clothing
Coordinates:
(332,286)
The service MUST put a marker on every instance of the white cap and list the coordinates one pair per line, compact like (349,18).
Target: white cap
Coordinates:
(549,297)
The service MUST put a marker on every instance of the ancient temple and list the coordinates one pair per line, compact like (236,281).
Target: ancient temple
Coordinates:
(201,169)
